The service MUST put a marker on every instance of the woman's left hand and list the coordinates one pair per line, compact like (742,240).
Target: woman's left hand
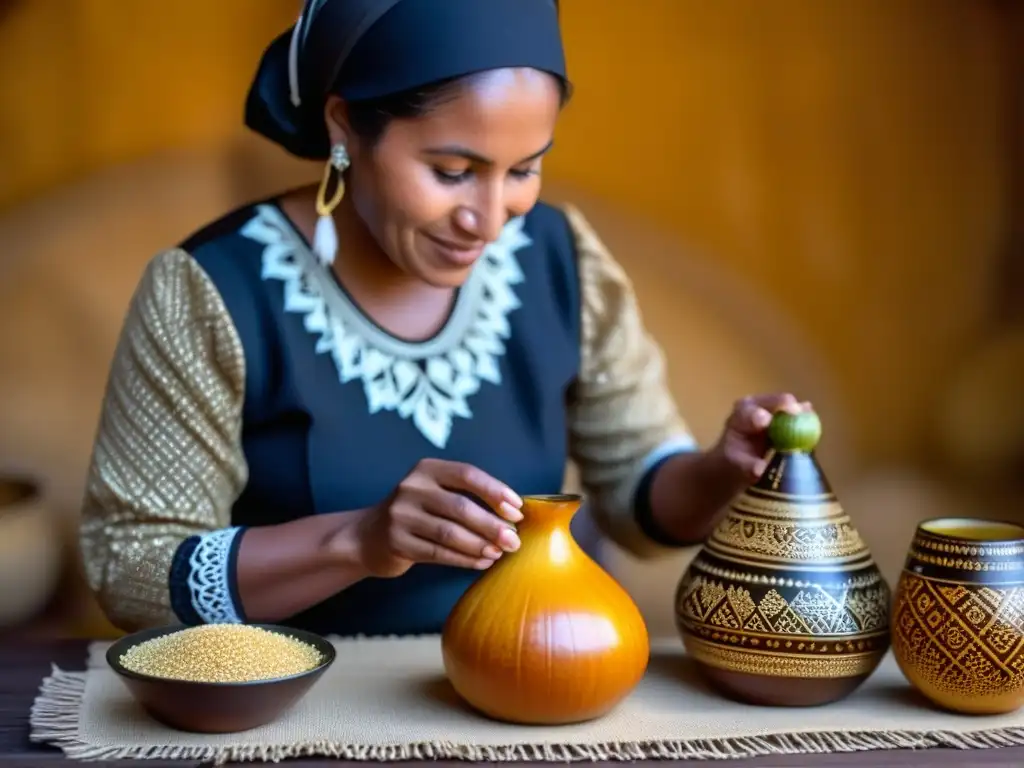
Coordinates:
(744,441)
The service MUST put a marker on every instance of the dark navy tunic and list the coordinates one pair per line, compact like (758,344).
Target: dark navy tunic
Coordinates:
(337,411)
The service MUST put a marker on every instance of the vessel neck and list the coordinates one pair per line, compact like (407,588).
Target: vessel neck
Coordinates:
(549,512)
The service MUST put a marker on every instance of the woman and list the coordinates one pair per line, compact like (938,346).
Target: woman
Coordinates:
(324,406)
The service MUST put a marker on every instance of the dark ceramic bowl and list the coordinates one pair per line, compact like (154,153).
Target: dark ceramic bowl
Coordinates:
(217,707)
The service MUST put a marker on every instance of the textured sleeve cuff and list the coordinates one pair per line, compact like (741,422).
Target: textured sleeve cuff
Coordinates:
(204,578)
(643,511)
(623,417)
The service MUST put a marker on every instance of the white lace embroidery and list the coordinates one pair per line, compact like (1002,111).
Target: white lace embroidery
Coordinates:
(428,382)
(209,581)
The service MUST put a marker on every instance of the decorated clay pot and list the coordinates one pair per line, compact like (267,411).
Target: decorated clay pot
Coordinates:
(546,636)
(784,604)
(958,615)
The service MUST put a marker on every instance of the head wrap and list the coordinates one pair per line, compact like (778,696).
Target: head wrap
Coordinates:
(368,49)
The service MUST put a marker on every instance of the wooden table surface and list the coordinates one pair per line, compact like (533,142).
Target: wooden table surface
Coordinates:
(24,663)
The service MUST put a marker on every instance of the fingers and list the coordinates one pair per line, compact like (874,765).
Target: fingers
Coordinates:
(753,414)
(458,476)
(453,510)
(431,517)
(752,466)
(453,535)
(423,550)
(745,455)
(452,530)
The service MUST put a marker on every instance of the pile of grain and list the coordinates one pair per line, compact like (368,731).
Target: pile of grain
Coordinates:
(221,653)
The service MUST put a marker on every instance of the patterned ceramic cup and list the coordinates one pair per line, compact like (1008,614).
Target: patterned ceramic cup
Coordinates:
(958,615)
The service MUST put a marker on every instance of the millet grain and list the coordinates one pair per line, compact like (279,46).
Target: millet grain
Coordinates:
(221,653)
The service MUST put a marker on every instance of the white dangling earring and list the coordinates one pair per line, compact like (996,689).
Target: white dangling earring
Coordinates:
(325,238)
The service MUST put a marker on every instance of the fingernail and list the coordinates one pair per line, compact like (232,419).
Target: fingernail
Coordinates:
(508,540)
(510,513)
(762,418)
(483,565)
(492,552)
(513,498)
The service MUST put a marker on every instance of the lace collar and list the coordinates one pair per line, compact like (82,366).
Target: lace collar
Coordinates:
(428,382)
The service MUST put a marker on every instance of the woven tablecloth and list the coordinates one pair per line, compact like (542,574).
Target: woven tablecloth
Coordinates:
(388,699)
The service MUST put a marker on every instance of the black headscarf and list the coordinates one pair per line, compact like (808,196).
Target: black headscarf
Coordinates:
(368,49)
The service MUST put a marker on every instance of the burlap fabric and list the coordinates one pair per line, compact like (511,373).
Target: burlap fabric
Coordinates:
(387,699)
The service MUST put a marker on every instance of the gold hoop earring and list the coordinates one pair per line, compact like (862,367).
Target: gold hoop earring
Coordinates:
(325,238)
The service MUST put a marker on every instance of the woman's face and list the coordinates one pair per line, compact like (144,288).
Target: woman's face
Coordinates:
(436,189)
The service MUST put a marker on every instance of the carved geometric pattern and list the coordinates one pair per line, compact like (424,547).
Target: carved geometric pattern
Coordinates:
(818,666)
(823,613)
(961,640)
(812,611)
(783,507)
(854,582)
(785,586)
(788,540)
(993,549)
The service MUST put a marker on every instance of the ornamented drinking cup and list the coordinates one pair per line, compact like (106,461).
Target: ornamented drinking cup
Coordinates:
(958,615)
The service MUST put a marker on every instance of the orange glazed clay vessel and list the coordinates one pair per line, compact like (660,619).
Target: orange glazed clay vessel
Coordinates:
(546,636)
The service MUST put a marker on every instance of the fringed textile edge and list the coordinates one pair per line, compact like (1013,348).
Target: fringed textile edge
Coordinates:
(55,714)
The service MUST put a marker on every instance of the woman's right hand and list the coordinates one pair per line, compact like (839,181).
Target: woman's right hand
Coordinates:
(426,519)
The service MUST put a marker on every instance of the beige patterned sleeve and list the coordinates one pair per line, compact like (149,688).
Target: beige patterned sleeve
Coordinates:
(167,461)
(623,418)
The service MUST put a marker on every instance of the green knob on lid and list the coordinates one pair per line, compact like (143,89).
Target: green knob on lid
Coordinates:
(795,431)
